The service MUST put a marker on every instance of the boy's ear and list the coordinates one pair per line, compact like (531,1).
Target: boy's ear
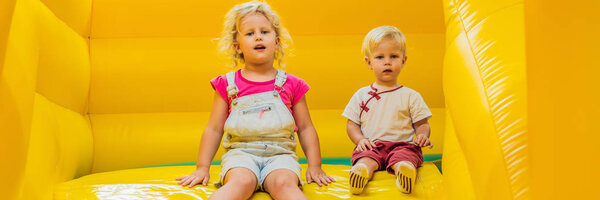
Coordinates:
(404,60)
(368,62)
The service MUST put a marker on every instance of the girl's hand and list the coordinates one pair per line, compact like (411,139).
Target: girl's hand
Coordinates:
(200,176)
(423,141)
(364,144)
(317,175)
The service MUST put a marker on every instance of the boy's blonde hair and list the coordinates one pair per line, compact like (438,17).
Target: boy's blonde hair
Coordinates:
(375,36)
(232,25)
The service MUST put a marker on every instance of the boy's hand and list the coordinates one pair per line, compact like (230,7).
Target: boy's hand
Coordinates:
(364,144)
(317,175)
(200,176)
(423,141)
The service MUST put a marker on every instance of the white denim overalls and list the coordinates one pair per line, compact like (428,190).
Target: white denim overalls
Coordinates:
(259,132)
(259,124)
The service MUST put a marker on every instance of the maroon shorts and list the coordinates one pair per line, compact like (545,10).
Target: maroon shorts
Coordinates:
(386,154)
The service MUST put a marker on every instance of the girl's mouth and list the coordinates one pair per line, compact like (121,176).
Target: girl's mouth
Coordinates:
(260,48)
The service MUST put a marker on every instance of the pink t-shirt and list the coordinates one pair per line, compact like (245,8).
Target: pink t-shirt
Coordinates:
(294,88)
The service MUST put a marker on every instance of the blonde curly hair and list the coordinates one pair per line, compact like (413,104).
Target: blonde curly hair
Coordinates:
(231,29)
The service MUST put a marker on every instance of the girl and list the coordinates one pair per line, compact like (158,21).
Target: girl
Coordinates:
(258,108)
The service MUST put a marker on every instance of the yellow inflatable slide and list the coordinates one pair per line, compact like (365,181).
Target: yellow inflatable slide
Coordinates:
(107,99)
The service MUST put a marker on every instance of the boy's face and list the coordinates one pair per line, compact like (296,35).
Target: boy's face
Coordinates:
(256,39)
(386,61)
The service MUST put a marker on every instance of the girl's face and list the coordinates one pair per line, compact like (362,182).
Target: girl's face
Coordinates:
(386,61)
(256,40)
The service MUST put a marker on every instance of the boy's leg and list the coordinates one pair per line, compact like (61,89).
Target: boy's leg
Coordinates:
(406,176)
(240,183)
(403,161)
(365,163)
(369,164)
(283,184)
(361,173)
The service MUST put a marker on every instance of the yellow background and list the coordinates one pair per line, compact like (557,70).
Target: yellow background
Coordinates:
(107,85)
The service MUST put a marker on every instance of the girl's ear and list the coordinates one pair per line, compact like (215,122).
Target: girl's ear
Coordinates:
(236,46)
(277,41)
(368,62)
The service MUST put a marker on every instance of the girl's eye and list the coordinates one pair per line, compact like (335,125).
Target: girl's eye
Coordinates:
(265,32)
(250,33)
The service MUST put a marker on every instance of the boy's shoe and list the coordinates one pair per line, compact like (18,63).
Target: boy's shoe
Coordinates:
(359,177)
(406,176)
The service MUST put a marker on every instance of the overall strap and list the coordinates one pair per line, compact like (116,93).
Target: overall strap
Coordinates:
(280,80)
(232,89)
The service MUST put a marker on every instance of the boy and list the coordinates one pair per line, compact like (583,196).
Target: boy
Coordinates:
(385,118)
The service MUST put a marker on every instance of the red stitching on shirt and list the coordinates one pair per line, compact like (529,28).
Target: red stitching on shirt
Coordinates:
(364,107)
(374,94)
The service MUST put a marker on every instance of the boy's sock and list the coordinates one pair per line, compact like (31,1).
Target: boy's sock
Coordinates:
(359,177)
(406,175)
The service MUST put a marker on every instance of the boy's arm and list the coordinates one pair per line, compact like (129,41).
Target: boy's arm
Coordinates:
(309,140)
(354,132)
(422,132)
(352,112)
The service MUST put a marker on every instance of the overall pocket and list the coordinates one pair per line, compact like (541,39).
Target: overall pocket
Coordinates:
(259,120)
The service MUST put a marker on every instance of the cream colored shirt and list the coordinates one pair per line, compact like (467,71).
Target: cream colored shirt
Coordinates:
(389,117)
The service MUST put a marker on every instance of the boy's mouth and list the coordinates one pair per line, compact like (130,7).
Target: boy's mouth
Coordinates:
(387,70)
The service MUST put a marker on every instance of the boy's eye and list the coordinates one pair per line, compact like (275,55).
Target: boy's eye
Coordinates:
(379,57)
(395,56)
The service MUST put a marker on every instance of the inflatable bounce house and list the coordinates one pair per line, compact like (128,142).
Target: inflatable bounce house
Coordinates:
(108,99)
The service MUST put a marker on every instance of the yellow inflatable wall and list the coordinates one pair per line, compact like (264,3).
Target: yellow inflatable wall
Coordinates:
(562,89)
(484,84)
(121,87)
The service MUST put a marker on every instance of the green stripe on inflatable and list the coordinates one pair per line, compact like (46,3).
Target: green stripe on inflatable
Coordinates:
(329,161)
